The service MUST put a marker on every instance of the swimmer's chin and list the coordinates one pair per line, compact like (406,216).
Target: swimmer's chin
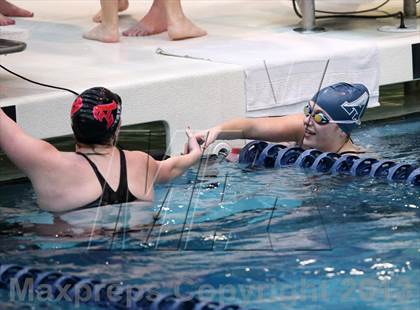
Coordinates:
(307,144)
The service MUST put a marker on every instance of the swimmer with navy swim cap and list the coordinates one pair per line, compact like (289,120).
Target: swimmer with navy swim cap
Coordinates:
(99,173)
(325,124)
(344,103)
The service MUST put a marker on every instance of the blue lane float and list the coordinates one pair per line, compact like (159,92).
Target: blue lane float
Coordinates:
(287,156)
(414,177)
(400,172)
(361,167)
(381,169)
(258,154)
(307,158)
(324,162)
(343,164)
(267,157)
(251,152)
(51,285)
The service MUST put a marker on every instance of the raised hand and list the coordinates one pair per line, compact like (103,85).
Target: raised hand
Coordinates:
(207,137)
(192,144)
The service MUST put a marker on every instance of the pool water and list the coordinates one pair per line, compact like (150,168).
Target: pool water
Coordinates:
(266,239)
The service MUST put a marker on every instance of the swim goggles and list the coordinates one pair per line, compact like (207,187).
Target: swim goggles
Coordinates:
(322,119)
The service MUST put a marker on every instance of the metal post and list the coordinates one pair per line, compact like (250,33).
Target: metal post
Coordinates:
(410,21)
(308,11)
(410,8)
(307,8)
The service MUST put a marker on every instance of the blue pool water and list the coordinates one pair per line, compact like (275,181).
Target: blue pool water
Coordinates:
(268,239)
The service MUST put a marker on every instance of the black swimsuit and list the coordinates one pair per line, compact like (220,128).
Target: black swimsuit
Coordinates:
(109,196)
(352,152)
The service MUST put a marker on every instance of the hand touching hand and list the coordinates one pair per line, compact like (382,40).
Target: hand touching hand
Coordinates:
(192,144)
(207,137)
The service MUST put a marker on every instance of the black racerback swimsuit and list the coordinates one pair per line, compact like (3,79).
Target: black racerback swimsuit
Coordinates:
(109,196)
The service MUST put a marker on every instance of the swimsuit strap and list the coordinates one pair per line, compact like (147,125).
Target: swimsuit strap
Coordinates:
(109,196)
(352,152)
(122,190)
(126,195)
(101,179)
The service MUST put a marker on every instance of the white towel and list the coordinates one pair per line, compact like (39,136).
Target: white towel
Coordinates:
(283,71)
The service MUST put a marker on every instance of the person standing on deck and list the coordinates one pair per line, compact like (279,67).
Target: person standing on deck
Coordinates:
(164,15)
(8,9)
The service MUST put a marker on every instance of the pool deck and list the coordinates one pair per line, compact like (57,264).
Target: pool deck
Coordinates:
(154,87)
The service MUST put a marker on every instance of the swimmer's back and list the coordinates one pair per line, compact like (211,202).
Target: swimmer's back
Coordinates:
(70,182)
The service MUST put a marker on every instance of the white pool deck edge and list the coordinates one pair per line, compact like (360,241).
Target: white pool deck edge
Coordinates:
(179,91)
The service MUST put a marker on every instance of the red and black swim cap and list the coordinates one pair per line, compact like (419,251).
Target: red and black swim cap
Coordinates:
(95,116)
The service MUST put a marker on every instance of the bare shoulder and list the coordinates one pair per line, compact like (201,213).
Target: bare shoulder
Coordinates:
(367,151)
(141,172)
(64,165)
(136,155)
(61,176)
(139,159)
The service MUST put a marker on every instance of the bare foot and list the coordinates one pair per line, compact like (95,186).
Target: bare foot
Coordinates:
(9,9)
(122,6)
(103,34)
(184,29)
(5,21)
(153,22)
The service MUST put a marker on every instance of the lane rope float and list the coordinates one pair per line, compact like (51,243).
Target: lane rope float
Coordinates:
(257,154)
(51,285)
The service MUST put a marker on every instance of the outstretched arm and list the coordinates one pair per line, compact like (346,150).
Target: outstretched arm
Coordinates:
(175,166)
(276,129)
(28,154)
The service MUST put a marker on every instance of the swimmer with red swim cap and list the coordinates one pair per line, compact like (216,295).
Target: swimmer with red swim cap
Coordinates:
(98,173)
(325,124)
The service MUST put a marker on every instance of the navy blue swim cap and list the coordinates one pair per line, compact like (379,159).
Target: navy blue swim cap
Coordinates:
(344,102)
(95,116)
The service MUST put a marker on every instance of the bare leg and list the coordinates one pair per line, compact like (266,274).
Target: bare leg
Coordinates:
(107,30)
(5,21)
(153,22)
(8,9)
(179,26)
(122,6)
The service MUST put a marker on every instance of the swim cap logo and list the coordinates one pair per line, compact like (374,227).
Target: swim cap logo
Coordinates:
(355,108)
(77,105)
(104,111)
